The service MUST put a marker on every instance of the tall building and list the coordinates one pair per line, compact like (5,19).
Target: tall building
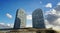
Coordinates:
(37,19)
(20,20)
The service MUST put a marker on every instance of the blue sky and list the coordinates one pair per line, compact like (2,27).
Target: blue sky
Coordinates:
(9,7)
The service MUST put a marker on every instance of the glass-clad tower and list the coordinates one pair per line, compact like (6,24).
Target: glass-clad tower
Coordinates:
(37,19)
(20,20)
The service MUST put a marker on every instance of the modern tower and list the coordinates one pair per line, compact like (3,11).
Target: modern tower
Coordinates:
(38,19)
(20,20)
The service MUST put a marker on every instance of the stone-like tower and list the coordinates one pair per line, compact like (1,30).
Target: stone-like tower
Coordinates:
(37,19)
(20,20)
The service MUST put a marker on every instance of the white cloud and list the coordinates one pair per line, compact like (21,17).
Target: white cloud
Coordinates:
(11,25)
(52,11)
(52,26)
(56,28)
(53,18)
(58,3)
(29,17)
(8,15)
(49,5)
(4,25)
(29,26)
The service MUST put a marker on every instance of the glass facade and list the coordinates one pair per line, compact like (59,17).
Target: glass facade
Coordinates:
(37,19)
(20,21)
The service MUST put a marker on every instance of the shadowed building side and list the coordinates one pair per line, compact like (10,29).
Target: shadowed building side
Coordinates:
(38,19)
(17,21)
(20,20)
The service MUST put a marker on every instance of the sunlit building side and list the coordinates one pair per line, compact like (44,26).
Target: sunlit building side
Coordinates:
(20,20)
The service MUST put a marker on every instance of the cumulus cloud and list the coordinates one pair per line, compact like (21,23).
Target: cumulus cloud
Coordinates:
(53,17)
(8,15)
(58,3)
(56,28)
(3,25)
(11,25)
(29,17)
(52,11)
(48,5)
(29,25)
(57,9)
